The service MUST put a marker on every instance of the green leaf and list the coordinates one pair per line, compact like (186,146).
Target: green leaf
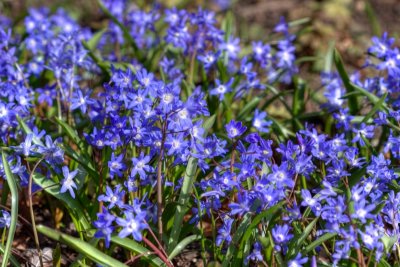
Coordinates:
(209,122)
(72,204)
(12,184)
(298,97)
(329,57)
(13,261)
(227,27)
(318,242)
(183,202)
(248,108)
(185,194)
(128,37)
(28,130)
(80,246)
(232,249)
(389,241)
(57,256)
(265,216)
(97,60)
(373,18)
(353,102)
(355,177)
(279,95)
(71,133)
(136,247)
(298,22)
(94,41)
(186,241)
(371,97)
(282,129)
(83,161)
(384,263)
(297,242)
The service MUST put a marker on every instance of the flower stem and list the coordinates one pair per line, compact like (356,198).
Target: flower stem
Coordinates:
(159,184)
(158,252)
(35,234)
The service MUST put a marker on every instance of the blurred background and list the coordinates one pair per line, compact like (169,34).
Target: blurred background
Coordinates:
(347,24)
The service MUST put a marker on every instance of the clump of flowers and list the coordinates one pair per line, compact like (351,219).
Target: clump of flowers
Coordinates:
(159,131)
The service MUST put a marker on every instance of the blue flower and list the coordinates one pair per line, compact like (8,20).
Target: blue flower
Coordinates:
(298,261)
(5,220)
(114,198)
(281,235)
(51,151)
(221,89)
(311,202)
(235,129)
(80,101)
(224,233)
(242,207)
(362,211)
(260,123)
(25,148)
(132,225)
(381,46)
(256,254)
(104,226)
(363,131)
(68,182)
(140,166)
(231,47)
(209,59)
(116,165)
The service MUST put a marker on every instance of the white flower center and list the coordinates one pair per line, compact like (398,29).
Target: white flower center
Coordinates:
(133,226)
(140,165)
(234,131)
(257,123)
(221,89)
(167,98)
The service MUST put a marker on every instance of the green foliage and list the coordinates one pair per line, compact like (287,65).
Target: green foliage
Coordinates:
(14,211)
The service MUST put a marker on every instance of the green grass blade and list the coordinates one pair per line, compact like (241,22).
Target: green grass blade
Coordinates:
(84,162)
(185,193)
(80,246)
(265,216)
(373,19)
(295,245)
(318,242)
(298,97)
(72,204)
(186,241)
(94,41)
(136,247)
(57,256)
(232,249)
(329,57)
(383,263)
(14,209)
(371,97)
(97,60)
(28,130)
(248,108)
(209,122)
(13,261)
(353,102)
(183,202)
(378,106)
(125,31)
(71,134)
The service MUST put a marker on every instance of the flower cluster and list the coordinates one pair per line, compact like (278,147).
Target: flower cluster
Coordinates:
(160,120)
